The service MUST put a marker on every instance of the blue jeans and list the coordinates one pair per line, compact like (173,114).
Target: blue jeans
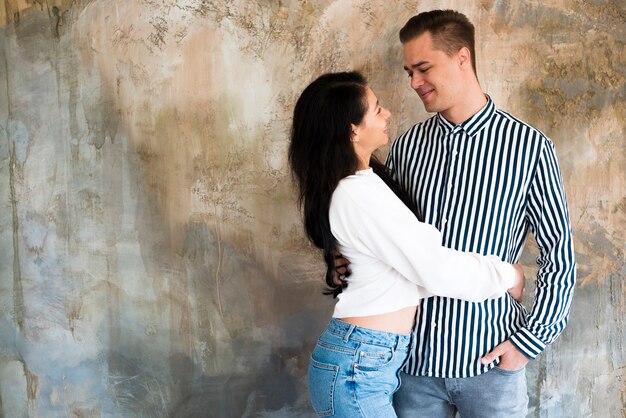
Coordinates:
(354,371)
(495,394)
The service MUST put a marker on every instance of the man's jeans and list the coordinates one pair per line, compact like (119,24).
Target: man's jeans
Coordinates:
(497,393)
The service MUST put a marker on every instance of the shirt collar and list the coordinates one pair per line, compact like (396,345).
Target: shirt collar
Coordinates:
(472,125)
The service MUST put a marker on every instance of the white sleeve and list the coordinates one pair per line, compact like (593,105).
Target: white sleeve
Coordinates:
(380,225)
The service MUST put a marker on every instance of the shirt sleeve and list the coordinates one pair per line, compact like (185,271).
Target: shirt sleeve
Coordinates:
(549,222)
(381,226)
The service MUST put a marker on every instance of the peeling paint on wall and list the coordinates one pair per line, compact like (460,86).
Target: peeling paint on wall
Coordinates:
(152,258)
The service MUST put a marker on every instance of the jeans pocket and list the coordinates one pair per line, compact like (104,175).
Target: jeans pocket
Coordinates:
(508,372)
(322,378)
(374,357)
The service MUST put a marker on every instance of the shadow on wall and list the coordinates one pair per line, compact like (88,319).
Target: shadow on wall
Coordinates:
(152,260)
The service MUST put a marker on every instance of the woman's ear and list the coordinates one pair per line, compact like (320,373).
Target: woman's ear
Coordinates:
(354,134)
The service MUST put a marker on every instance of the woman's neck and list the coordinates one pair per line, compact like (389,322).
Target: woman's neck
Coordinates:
(364,161)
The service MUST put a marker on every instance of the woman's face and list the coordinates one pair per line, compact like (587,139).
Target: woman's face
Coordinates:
(372,132)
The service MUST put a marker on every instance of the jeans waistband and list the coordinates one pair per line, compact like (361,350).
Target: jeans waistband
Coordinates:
(366,335)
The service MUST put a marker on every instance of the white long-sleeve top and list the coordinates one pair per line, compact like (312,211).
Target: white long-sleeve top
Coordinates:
(395,259)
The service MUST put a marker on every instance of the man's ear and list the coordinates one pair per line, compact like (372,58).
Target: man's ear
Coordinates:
(464,57)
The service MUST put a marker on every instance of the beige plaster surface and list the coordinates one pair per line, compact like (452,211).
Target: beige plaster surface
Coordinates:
(152,258)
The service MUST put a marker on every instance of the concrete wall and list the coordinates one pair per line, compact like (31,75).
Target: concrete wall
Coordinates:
(152,260)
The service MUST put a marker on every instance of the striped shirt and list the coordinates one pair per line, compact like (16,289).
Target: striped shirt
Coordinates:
(484,184)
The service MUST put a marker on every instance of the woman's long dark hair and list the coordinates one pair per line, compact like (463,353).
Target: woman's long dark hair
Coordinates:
(321,154)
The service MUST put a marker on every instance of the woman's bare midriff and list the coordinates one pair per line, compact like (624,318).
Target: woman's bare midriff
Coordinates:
(398,322)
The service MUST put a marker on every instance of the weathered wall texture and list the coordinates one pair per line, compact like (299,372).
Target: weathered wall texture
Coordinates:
(152,260)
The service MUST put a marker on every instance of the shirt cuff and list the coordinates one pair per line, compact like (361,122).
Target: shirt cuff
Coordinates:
(527,343)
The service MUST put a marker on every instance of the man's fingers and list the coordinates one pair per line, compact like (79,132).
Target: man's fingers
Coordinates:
(488,358)
(493,354)
(341,265)
(339,280)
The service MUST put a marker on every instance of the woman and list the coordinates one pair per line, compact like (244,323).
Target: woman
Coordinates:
(352,205)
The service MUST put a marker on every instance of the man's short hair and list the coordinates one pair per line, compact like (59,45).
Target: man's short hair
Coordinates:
(450,31)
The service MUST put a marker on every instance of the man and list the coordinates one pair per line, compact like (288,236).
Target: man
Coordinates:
(484,179)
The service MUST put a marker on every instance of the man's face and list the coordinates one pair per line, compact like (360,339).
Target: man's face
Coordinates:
(434,75)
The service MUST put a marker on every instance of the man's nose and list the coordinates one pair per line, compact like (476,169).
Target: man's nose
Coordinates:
(416,81)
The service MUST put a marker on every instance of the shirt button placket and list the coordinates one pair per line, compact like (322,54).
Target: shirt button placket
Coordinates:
(453,144)
(446,191)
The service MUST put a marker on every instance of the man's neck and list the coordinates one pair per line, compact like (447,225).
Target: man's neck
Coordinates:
(472,102)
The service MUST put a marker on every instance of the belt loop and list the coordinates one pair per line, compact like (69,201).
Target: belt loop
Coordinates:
(346,336)
(402,338)
(412,336)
